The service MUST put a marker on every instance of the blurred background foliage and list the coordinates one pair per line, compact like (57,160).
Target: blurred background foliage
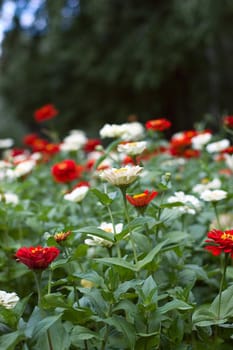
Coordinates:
(104,61)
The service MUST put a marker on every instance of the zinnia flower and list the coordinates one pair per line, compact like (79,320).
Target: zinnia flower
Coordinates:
(61,236)
(77,195)
(141,199)
(158,124)
(36,258)
(190,203)
(213,196)
(217,146)
(65,171)
(228,121)
(132,148)
(98,241)
(121,176)
(221,241)
(8,300)
(46,112)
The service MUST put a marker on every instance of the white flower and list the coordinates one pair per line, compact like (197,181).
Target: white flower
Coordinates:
(217,146)
(6,143)
(213,196)
(132,148)
(200,140)
(229,160)
(133,131)
(209,185)
(77,195)
(74,141)
(121,176)
(8,300)
(24,168)
(126,131)
(190,203)
(9,198)
(107,227)
(111,131)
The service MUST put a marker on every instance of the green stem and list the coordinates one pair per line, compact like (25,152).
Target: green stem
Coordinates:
(222,283)
(50,281)
(37,276)
(123,191)
(107,329)
(114,231)
(216,214)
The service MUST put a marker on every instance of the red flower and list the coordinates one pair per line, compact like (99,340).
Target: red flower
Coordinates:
(29,139)
(45,112)
(228,121)
(39,144)
(158,124)
(65,171)
(222,241)
(141,199)
(61,236)
(37,258)
(51,148)
(91,144)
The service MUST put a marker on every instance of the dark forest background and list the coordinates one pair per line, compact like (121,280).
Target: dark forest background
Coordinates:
(102,61)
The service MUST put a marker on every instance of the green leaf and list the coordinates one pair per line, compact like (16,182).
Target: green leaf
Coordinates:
(150,256)
(82,333)
(204,317)
(124,327)
(174,305)
(91,276)
(93,230)
(102,197)
(9,341)
(43,325)
(226,310)
(118,262)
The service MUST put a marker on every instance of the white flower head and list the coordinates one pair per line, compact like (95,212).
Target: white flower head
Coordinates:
(111,131)
(6,143)
(9,198)
(229,160)
(218,146)
(132,148)
(74,141)
(133,131)
(8,300)
(213,195)
(207,185)
(77,195)
(191,204)
(121,176)
(199,141)
(24,168)
(98,241)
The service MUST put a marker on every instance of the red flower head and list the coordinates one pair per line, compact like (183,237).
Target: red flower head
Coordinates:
(222,241)
(38,145)
(37,258)
(45,112)
(29,139)
(65,171)
(158,124)
(91,144)
(228,121)
(141,199)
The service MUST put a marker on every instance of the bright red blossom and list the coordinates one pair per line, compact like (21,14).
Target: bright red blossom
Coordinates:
(91,144)
(141,199)
(228,121)
(158,124)
(65,171)
(46,112)
(37,258)
(221,241)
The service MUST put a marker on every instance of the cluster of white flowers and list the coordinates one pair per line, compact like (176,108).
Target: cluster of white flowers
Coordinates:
(9,198)
(191,204)
(74,141)
(8,300)
(126,131)
(107,227)
(77,195)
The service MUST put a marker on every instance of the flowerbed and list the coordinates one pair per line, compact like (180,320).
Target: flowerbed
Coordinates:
(124,246)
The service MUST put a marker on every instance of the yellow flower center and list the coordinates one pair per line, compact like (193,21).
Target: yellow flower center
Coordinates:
(140,195)
(227,236)
(121,170)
